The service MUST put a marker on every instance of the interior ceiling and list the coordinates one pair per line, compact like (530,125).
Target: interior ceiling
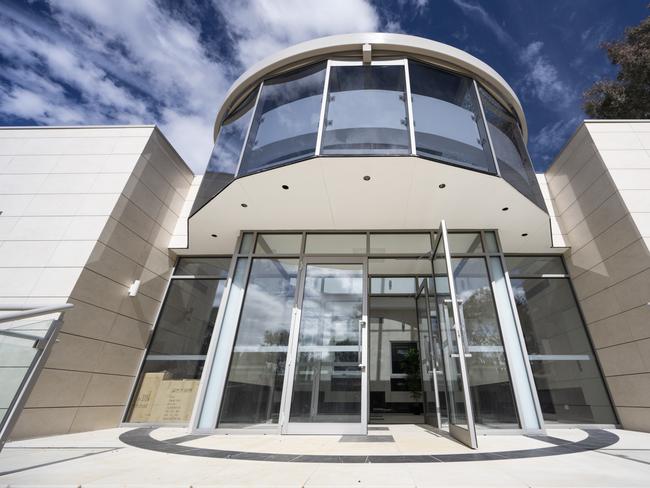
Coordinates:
(330,193)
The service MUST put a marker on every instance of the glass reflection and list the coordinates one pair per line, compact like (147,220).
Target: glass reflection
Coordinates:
(510,150)
(225,155)
(487,368)
(254,385)
(327,380)
(569,384)
(451,357)
(170,375)
(285,125)
(366,111)
(447,117)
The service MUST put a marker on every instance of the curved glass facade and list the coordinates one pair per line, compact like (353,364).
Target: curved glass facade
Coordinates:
(385,108)
(285,125)
(447,118)
(366,111)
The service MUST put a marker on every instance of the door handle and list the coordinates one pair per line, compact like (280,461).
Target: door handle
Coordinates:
(362,365)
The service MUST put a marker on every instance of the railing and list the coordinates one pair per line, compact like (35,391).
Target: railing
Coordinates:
(24,348)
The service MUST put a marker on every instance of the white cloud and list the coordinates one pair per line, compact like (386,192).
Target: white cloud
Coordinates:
(478,12)
(261,27)
(548,141)
(130,61)
(542,79)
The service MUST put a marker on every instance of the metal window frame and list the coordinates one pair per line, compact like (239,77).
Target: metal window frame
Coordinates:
(302,256)
(484,121)
(130,403)
(596,357)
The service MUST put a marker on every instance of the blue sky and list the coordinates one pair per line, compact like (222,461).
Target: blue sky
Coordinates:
(70,62)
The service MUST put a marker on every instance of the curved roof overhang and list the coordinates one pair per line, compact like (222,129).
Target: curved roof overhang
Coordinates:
(382,44)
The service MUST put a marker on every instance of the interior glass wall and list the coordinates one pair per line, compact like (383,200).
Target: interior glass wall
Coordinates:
(447,118)
(169,378)
(569,383)
(366,111)
(510,150)
(254,384)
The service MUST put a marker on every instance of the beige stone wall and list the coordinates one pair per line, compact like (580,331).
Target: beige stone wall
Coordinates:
(87,211)
(600,191)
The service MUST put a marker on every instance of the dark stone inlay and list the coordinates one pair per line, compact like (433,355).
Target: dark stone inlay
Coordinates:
(596,439)
(367,438)
(185,438)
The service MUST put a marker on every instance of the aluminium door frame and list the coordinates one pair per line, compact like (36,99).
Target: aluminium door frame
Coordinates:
(337,428)
(465,435)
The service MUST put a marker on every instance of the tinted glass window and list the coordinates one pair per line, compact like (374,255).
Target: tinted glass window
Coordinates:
(487,368)
(278,243)
(170,375)
(448,123)
(400,243)
(510,150)
(335,244)
(285,125)
(254,385)
(225,155)
(366,111)
(217,267)
(569,384)
(534,265)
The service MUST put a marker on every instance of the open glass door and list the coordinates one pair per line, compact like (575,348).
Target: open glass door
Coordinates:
(431,357)
(327,386)
(461,417)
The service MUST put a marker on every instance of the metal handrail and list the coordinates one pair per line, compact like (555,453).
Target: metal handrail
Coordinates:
(19,312)
(43,345)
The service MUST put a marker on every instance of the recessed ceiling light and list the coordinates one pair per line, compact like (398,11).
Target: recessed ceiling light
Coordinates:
(442,185)
(524,234)
(285,187)
(244,205)
(366,178)
(505,209)
(213,235)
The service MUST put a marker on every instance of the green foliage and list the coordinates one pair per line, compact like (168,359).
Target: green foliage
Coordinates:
(411,366)
(627,97)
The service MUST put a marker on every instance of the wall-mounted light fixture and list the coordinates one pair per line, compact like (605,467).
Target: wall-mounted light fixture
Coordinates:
(133,289)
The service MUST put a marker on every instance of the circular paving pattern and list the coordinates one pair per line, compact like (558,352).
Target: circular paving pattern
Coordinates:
(596,439)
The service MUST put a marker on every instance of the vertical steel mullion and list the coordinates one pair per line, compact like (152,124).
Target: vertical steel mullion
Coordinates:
(484,121)
(248,131)
(323,107)
(409,105)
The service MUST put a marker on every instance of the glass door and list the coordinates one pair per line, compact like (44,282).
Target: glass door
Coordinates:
(327,386)
(452,335)
(431,358)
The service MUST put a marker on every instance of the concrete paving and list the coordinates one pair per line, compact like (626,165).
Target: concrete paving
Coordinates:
(101,459)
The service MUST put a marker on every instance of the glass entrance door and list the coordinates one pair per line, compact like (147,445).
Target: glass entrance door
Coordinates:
(453,342)
(433,383)
(327,386)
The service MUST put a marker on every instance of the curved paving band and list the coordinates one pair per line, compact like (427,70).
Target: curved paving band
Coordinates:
(596,439)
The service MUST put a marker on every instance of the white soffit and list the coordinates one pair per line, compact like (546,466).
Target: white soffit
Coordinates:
(330,193)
